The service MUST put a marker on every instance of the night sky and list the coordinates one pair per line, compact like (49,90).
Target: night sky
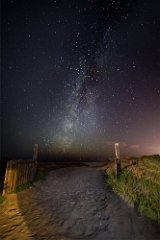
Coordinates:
(78,76)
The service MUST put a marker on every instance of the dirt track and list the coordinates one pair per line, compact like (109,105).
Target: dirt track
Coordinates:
(73,203)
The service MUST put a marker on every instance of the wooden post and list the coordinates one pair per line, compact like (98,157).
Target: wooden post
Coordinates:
(117,159)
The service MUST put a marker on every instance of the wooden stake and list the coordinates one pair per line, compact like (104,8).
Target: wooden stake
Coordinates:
(117,160)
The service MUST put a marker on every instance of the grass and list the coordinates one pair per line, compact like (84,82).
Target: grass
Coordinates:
(138,186)
(23,187)
(2,198)
(37,178)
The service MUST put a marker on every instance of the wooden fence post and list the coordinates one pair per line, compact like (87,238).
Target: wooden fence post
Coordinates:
(117,160)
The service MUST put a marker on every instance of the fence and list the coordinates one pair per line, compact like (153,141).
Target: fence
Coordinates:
(19,172)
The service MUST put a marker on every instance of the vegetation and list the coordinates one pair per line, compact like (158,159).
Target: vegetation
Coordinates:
(139,184)
(39,177)
(23,187)
(2,198)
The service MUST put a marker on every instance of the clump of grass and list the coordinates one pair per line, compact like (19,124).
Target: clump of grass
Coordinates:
(37,178)
(141,192)
(23,187)
(2,198)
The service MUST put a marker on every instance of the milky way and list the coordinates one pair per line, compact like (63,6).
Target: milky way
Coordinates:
(78,76)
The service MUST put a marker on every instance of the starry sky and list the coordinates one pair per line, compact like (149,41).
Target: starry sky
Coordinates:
(79,75)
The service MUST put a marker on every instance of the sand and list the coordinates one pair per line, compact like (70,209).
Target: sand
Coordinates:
(72,203)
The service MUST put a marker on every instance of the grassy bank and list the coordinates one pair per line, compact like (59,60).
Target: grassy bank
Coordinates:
(139,184)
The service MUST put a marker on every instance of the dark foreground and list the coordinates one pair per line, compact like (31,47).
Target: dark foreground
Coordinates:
(73,203)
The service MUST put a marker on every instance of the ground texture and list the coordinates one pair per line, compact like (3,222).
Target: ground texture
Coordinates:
(72,203)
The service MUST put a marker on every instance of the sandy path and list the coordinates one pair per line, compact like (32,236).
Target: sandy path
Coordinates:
(73,203)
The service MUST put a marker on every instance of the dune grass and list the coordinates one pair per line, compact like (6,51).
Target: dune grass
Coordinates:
(38,177)
(2,198)
(139,187)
